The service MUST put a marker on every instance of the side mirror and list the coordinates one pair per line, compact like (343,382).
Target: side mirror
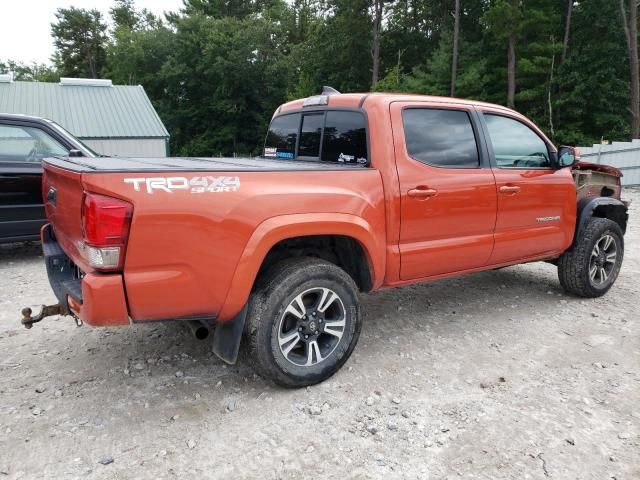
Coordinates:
(568,156)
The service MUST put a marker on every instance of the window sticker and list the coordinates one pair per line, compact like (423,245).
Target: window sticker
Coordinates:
(346,158)
(270,152)
(284,154)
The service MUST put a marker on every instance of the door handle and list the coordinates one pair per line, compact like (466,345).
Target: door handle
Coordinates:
(509,189)
(422,192)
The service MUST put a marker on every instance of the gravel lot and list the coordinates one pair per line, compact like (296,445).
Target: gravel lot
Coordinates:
(498,375)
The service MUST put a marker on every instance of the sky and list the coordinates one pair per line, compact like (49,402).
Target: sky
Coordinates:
(25,25)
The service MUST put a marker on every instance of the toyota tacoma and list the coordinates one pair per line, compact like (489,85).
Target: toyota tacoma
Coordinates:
(353,193)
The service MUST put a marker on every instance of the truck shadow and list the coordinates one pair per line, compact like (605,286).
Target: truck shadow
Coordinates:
(162,367)
(167,354)
(164,362)
(19,251)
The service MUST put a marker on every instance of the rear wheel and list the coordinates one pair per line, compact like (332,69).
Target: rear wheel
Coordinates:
(303,321)
(591,266)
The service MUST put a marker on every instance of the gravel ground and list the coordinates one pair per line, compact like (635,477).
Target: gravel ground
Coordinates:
(498,375)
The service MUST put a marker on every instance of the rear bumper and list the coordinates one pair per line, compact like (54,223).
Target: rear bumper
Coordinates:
(98,299)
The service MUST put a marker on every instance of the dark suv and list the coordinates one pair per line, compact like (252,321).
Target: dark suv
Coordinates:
(24,142)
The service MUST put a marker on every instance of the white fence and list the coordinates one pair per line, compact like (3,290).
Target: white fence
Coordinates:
(622,155)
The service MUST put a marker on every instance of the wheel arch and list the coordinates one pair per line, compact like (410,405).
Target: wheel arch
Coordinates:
(305,232)
(601,207)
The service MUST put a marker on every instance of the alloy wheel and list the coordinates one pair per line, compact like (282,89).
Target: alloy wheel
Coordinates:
(603,260)
(311,326)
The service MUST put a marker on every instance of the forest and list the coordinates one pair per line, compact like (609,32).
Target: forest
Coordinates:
(216,69)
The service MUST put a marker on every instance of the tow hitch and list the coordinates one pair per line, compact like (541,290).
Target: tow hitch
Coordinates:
(47,311)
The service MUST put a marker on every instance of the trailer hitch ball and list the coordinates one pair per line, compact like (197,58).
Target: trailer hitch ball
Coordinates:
(47,311)
(26,318)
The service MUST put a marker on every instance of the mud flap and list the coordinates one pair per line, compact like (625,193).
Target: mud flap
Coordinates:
(227,336)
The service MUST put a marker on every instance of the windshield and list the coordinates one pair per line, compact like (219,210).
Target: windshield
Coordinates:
(337,136)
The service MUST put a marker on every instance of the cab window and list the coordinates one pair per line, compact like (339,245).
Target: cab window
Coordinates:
(336,136)
(310,134)
(282,136)
(515,145)
(345,138)
(439,137)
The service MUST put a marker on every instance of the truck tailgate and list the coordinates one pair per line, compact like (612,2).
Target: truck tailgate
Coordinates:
(62,195)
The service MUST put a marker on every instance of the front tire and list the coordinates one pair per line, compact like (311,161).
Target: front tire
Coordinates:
(303,321)
(590,268)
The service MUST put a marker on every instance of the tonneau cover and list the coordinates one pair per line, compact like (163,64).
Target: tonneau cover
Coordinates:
(189,164)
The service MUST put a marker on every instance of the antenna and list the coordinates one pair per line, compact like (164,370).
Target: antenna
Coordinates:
(329,91)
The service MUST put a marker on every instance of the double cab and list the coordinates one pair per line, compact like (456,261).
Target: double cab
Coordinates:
(354,193)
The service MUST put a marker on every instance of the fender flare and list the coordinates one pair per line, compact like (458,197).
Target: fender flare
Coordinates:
(587,206)
(276,229)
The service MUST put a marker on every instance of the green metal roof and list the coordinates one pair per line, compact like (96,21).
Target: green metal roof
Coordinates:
(118,111)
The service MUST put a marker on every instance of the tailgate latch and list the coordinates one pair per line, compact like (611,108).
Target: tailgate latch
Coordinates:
(47,311)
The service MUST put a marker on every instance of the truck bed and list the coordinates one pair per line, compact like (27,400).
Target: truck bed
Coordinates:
(185,244)
(190,164)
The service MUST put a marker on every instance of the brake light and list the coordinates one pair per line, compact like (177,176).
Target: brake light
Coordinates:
(105,228)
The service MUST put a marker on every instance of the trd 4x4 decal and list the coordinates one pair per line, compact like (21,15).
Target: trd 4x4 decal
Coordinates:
(194,184)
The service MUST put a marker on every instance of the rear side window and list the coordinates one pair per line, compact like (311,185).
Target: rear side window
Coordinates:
(282,136)
(443,138)
(345,138)
(337,136)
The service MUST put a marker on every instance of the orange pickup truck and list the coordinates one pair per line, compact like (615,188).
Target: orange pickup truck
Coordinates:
(354,193)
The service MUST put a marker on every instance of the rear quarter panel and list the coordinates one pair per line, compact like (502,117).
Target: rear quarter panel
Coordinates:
(186,249)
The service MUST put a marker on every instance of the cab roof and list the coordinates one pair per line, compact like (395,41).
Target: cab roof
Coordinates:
(364,100)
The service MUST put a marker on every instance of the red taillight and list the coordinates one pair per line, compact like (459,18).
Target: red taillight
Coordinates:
(105,227)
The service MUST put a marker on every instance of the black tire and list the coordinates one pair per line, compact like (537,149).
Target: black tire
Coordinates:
(575,266)
(271,320)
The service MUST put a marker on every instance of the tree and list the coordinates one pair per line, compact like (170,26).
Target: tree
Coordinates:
(567,29)
(35,72)
(136,57)
(630,27)
(224,8)
(454,55)
(140,44)
(336,52)
(216,70)
(504,20)
(537,52)
(79,37)
(378,6)
(222,81)
(434,76)
(592,91)
(124,14)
